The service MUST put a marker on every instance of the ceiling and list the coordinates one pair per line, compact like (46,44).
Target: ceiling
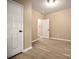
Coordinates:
(40,5)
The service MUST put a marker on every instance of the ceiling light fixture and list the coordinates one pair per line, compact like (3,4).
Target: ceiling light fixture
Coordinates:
(50,2)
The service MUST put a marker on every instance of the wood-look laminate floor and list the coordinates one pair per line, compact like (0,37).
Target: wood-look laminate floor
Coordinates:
(47,49)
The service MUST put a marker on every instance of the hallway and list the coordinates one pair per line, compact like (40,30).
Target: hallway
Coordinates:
(47,49)
(28,21)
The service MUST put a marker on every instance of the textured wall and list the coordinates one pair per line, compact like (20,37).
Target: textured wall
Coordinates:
(60,24)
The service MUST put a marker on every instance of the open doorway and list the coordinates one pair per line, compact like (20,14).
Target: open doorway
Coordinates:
(43,28)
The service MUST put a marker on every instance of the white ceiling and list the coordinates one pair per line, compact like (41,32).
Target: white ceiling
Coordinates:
(39,5)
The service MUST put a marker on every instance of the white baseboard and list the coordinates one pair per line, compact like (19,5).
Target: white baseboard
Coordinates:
(27,49)
(60,39)
(67,55)
(38,39)
(35,40)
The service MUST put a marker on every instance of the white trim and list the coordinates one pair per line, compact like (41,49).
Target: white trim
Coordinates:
(35,40)
(60,39)
(44,37)
(67,55)
(27,49)
(39,34)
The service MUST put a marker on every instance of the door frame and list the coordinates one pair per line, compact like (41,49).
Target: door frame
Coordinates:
(38,31)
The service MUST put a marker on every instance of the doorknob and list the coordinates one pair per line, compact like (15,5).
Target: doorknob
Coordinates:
(20,30)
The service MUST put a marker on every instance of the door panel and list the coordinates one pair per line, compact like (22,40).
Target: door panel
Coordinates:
(14,24)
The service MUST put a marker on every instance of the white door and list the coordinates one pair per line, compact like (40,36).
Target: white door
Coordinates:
(43,28)
(14,28)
